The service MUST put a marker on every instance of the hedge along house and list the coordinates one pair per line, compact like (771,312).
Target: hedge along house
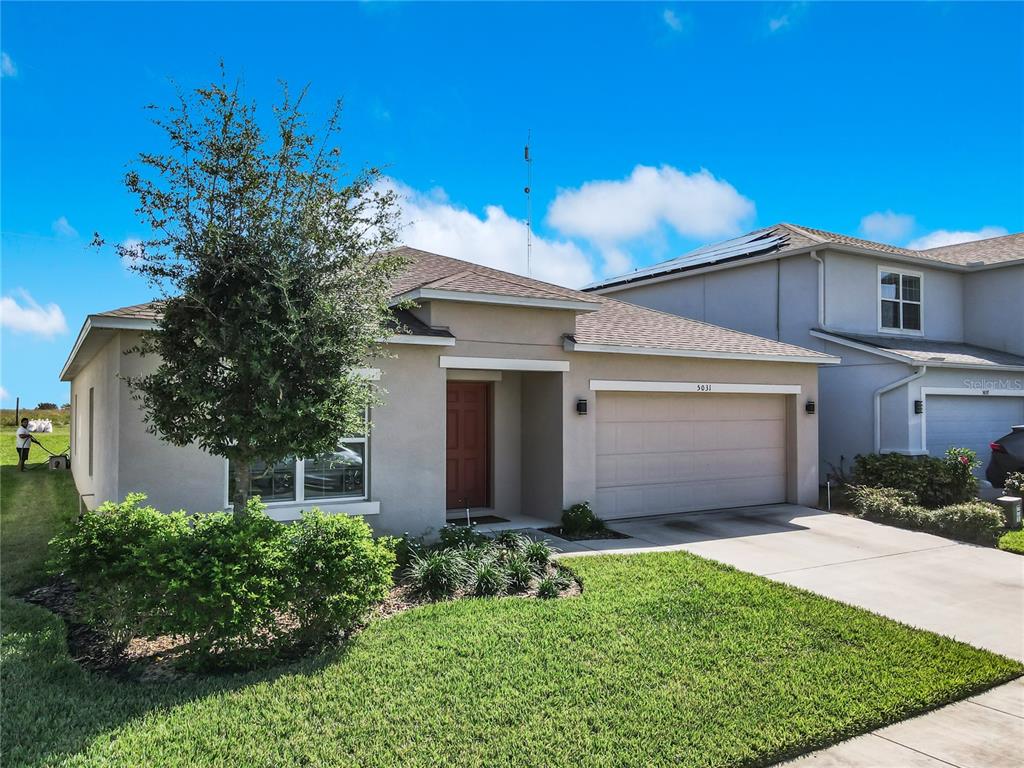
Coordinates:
(504,396)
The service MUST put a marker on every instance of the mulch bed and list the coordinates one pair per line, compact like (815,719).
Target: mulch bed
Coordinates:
(159,659)
(607,533)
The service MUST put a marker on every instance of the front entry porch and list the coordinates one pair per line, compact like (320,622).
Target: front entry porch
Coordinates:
(503,461)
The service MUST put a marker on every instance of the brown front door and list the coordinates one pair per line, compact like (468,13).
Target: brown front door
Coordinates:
(468,459)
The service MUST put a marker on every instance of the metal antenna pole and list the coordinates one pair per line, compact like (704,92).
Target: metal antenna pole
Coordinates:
(529,204)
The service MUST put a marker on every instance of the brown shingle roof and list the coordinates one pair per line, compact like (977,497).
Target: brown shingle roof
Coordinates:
(431,270)
(995,250)
(613,323)
(630,325)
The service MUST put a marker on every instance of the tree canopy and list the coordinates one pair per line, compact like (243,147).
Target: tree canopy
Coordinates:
(274,271)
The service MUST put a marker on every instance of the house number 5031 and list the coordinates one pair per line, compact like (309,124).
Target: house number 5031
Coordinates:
(703,387)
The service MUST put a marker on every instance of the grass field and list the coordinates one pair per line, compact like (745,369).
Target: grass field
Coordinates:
(666,659)
(8,416)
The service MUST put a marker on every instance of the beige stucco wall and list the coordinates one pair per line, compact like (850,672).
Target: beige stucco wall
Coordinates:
(101,375)
(544,453)
(173,477)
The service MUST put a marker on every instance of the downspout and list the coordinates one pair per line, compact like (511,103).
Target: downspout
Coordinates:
(821,290)
(921,370)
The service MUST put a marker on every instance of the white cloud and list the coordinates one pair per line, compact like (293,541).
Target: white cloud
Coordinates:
(129,249)
(941,237)
(4,394)
(887,226)
(30,317)
(432,223)
(672,19)
(788,18)
(7,67)
(62,228)
(695,205)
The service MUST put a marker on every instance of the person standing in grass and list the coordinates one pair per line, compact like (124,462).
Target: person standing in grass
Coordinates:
(23,441)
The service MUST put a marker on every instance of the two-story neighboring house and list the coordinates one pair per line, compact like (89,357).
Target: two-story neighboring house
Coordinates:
(931,341)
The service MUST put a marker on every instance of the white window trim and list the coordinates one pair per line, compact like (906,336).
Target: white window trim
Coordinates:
(878,303)
(960,391)
(300,482)
(612,385)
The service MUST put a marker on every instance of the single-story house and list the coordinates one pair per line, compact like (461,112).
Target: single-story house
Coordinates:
(504,396)
(931,340)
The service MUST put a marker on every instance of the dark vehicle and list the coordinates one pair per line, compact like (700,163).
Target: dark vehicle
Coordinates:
(1007,456)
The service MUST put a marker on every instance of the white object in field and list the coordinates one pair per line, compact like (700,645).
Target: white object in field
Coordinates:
(40,425)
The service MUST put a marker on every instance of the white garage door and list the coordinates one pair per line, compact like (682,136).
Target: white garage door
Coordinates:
(970,421)
(662,453)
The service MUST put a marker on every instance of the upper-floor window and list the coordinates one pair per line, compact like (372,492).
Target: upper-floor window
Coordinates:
(899,301)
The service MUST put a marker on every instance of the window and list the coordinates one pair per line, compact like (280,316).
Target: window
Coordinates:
(74,426)
(340,474)
(91,430)
(899,296)
(271,482)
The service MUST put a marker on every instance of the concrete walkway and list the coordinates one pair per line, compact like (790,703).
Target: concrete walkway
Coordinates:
(986,731)
(973,594)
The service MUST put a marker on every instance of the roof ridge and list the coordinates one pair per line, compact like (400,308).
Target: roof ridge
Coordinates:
(970,242)
(804,232)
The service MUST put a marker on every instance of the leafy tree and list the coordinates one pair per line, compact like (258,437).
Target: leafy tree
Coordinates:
(46,407)
(275,271)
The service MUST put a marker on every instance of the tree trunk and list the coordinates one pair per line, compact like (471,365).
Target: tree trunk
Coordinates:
(241,470)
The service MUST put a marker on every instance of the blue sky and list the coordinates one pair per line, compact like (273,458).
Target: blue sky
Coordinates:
(656,127)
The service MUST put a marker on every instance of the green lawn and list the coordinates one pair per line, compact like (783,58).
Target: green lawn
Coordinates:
(1012,541)
(666,659)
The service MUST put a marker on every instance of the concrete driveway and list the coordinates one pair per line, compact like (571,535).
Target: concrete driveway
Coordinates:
(974,594)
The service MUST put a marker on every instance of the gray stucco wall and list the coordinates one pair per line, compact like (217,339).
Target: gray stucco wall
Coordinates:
(994,309)
(851,296)
(776,299)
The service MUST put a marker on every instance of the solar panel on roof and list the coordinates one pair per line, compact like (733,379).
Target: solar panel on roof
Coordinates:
(747,245)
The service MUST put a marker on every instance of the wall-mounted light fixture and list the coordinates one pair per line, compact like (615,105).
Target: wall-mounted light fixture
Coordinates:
(809,406)
(581,407)
(919,406)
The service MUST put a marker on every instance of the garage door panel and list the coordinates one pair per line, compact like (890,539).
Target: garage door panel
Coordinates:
(970,421)
(659,453)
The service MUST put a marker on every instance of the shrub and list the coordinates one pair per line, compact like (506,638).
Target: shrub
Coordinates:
(46,407)
(519,572)
(336,571)
(1014,484)
(973,521)
(405,546)
(488,578)
(538,554)
(112,554)
(456,536)
(1013,541)
(227,581)
(886,505)
(552,586)
(936,482)
(437,574)
(580,520)
(512,541)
